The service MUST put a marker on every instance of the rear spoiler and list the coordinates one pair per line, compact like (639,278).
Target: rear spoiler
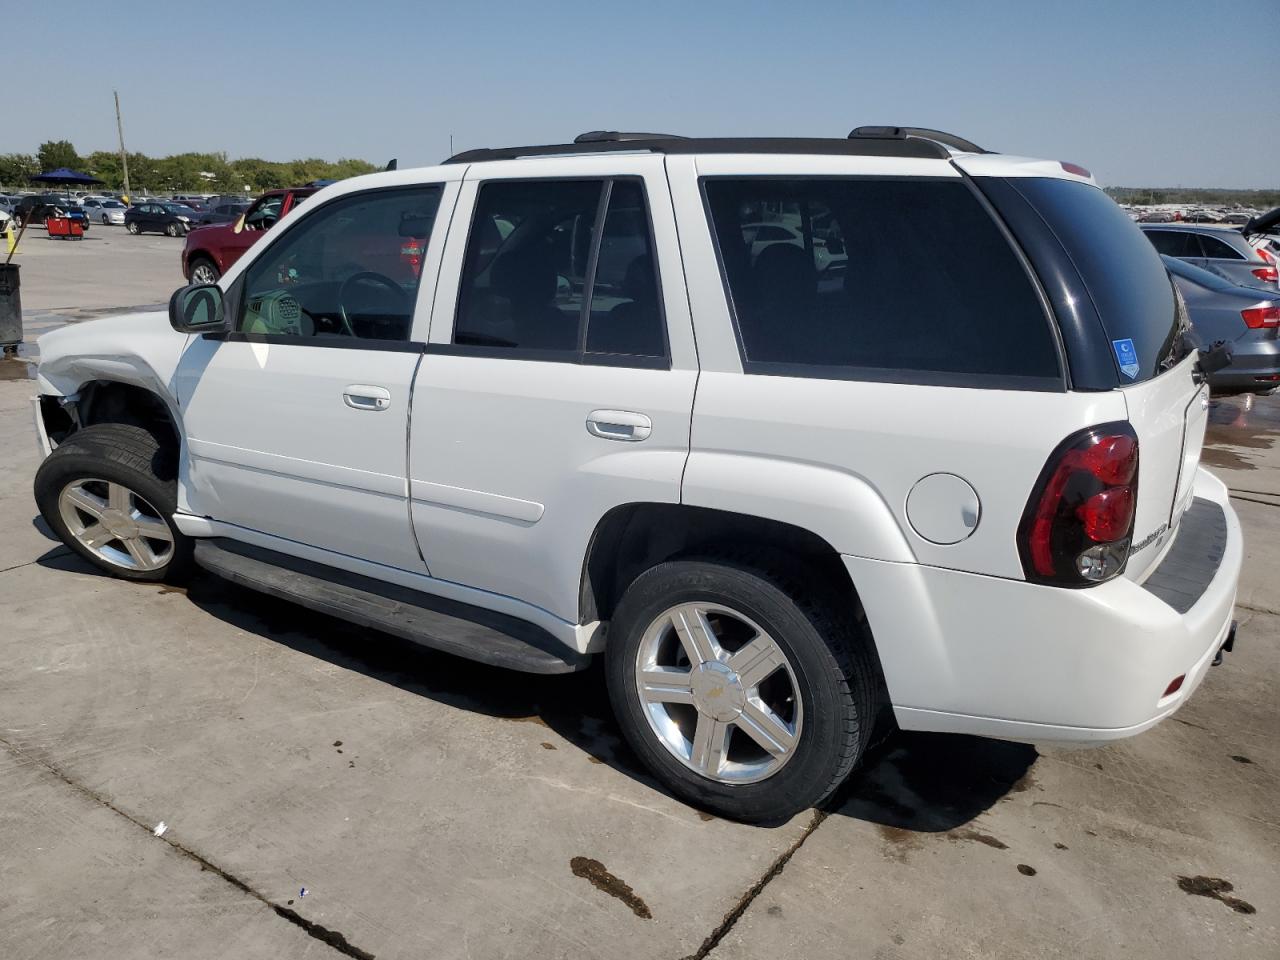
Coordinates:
(1262,223)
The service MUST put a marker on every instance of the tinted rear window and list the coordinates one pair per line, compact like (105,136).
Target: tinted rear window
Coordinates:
(1124,276)
(906,280)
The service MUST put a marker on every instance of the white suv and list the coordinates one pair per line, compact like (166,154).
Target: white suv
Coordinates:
(536,405)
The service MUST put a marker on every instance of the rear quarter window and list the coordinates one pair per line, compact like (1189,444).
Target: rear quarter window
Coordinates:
(1123,274)
(902,280)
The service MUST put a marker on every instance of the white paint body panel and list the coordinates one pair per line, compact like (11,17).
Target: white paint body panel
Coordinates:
(272,446)
(966,653)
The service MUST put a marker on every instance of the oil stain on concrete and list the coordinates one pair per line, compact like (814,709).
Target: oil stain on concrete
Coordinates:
(594,872)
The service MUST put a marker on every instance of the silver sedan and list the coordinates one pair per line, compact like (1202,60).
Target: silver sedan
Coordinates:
(104,211)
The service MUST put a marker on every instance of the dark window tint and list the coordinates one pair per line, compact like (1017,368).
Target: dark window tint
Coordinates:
(540,274)
(1217,249)
(626,312)
(525,272)
(859,280)
(1124,275)
(1175,243)
(350,269)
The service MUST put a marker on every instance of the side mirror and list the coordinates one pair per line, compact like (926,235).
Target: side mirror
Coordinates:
(197,309)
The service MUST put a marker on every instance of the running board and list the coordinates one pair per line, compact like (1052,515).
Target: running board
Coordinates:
(446,625)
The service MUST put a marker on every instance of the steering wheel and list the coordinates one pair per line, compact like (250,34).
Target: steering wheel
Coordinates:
(366,276)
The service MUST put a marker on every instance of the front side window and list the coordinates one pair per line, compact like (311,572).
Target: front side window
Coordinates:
(264,214)
(545,272)
(899,280)
(349,270)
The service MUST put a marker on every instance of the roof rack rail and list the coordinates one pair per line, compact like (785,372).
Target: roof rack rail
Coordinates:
(864,146)
(616,136)
(917,133)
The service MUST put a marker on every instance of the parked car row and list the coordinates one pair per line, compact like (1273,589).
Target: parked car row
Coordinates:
(1229,279)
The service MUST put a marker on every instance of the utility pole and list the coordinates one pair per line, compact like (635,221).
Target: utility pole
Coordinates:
(124,159)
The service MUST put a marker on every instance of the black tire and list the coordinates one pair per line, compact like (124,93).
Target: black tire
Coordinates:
(835,669)
(172,230)
(212,275)
(121,453)
(106,220)
(132,227)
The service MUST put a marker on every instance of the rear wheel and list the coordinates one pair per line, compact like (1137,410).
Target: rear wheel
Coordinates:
(741,693)
(132,227)
(204,270)
(110,492)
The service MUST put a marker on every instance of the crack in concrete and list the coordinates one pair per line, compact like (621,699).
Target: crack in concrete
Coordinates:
(331,937)
(56,552)
(733,916)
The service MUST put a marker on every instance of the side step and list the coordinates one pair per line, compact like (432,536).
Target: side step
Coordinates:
(447,625)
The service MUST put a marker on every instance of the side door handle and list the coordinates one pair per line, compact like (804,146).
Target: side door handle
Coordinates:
(361,396)
(619,425)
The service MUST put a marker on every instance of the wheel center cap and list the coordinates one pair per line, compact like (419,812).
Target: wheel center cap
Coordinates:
(717,691)
(118,524)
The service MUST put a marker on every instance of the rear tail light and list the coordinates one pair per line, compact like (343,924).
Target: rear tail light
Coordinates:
(1267,273)
(1255,318)
(1265,254)
(1078,524)
(1075,168)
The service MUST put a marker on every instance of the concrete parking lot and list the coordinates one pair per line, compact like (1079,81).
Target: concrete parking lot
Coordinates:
(327,792)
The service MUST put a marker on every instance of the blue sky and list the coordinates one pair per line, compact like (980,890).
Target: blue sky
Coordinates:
(1143,92)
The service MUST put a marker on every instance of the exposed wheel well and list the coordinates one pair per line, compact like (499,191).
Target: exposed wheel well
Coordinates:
(632,538)
(109,401)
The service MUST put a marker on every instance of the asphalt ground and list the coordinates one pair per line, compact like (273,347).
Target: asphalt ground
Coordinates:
(430,807)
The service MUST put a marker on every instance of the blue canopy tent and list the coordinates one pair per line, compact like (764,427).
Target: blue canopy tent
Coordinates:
(65,176)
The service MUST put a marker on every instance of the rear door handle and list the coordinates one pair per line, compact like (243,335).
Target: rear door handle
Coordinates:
(361,396)
(619,425)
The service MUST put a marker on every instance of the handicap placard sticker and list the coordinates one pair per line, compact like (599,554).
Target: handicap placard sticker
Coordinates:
(1126,356)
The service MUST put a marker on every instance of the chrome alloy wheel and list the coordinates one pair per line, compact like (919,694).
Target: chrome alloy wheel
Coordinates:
(116,524)
(719,693)
(203,273)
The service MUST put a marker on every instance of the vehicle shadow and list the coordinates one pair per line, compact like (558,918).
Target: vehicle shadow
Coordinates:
(934,782)
(912,781)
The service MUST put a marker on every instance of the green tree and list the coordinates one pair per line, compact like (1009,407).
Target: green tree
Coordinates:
(16,168)
(57,153)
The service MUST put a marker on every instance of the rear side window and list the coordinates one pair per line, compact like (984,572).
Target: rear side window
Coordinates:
(1175,243)
(564,269)
(904,280)
(1220,250)
(1124,276)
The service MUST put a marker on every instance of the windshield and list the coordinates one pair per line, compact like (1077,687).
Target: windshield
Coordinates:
(179,209)
(115,204)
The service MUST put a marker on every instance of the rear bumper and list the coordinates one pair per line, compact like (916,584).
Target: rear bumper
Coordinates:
(1254,365)
(965,653)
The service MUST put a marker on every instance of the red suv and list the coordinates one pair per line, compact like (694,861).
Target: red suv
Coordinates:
(210,251)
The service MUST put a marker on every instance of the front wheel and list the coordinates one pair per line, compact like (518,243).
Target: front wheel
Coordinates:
(106,220)
(109,492)
(203,270)
(173,230)
(132,227)
(742,694)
